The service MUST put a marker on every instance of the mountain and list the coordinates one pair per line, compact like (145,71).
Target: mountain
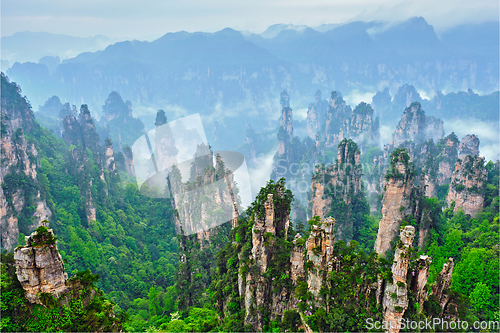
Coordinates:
(412,39)
(201,71)
(466,39)
(426,250)
(28,46)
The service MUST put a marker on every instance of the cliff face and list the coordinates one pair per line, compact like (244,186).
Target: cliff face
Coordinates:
(396,203)
(449,155)
(109,159)
(118,122)
(414,126)
(316,115)
(81,132)
(467,185)
(395,301)
(19,164)
(319,247)
(361,125)
(209,200)
(443,283)
(285,133)
(313,121)
(336,114)
(469,146)
(257,286)
(338,188)
(39,266)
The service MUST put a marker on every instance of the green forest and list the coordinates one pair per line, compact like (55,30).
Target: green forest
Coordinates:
(145,277)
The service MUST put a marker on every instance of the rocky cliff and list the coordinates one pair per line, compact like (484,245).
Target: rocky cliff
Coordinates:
(319,253)
(397,200)
(361,126)
(467,187)
(447,158)
(416,127)
(316,115)
(336,189)
(313,121)
(271,222)
(39,266)
(443,283)
(395,299)
(336,114)
(118,122)
(21,191)
(469,146)
(285,133)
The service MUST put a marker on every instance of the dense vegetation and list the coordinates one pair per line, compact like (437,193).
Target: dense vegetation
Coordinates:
(163,282)
(83,309)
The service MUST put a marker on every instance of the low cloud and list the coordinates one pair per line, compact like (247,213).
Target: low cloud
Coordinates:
(355,97)
(487,132)
(260,171)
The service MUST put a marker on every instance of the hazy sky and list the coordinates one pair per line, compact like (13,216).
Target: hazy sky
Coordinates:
(153,18)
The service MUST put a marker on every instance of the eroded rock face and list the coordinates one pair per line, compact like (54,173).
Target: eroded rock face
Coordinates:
(423,264)
(19,160)
(434,129)
(336,114)
(411,127)
(313,124)
(258,288)
(361,125)
(319,247)
(449,155)
(396,203)
(297,259)
(285,133)
(414,126)
(467,185)
(443,282)
(109,162)
(340,182)
(395,300)
(40,268)
(469,146)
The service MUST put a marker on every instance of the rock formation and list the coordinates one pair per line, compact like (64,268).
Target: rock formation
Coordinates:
(361,125)
(19,163)
(273,223)
(337,183)
(316,115)
(381,102)
(285,133)
(319,247)
(118,122)
(336,114)
(396,203)
(297,258)
(443,283)
(423,263)
(109,159)
(207,201)
(313,122)
(467,185)
(447,159)
(414,126)
(39,266)
(469,146)
(395,301)
(411,127)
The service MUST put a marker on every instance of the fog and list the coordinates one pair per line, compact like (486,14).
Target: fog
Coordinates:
(153,18)
(487,132)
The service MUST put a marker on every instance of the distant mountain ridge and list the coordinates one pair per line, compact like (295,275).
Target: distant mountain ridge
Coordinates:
(197,71)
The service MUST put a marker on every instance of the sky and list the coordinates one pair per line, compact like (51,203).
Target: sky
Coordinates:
(148,19)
